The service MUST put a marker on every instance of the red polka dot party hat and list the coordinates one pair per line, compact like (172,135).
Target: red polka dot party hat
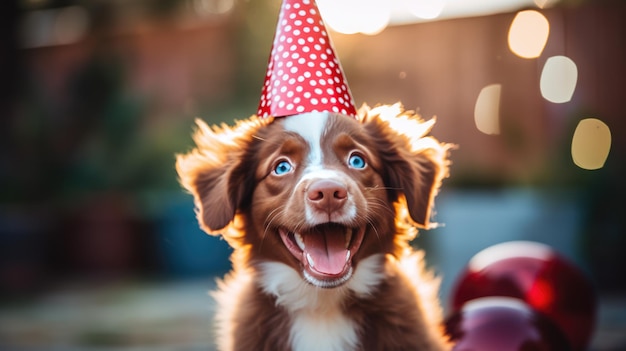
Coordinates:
(303,74)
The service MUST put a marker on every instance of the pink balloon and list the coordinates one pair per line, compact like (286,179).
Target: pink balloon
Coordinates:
(537,275)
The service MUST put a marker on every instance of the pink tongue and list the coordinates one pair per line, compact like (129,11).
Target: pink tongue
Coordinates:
(328,250)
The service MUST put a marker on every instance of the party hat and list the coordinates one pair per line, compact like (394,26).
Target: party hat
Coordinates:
(303,74)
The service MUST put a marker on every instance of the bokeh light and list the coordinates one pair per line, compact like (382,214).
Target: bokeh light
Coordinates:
(542,4)
(355,16)
(591,144)
(426,9)
(528,34)
(487,109)
(558,79)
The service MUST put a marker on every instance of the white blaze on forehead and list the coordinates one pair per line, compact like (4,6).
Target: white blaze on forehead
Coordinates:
(311,127)
(323,174)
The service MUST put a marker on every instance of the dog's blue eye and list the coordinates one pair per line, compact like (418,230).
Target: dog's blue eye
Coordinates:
(283,167)
(356,161)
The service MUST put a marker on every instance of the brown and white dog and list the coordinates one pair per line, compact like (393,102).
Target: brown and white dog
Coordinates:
(319,209)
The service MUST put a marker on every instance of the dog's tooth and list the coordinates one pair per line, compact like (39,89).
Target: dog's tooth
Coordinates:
(299,241)
(310,260)
(348,256)
(348,237)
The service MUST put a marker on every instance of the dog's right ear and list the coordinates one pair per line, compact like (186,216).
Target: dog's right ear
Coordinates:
(216,172)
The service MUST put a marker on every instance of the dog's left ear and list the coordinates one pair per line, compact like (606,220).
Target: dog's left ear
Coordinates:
(414,163)
(418,178)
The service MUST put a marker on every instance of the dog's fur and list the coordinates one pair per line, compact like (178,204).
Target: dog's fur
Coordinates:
(279,297)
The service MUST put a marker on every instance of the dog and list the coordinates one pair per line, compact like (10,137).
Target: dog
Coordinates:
(320,209)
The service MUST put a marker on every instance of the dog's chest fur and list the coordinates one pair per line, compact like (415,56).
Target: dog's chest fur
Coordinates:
(383,307)
(319,318)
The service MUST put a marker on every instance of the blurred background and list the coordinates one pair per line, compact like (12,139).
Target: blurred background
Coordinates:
(99,246)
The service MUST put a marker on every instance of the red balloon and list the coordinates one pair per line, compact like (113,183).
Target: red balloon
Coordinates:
(537,275)
(503,324)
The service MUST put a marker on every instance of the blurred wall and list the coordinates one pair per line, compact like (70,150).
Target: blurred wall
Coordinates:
(440,67)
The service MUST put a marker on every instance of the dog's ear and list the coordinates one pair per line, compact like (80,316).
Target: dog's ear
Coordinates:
(418,178)
(217,171)
(414,164)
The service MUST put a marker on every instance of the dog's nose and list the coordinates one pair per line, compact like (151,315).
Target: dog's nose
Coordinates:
(327,195)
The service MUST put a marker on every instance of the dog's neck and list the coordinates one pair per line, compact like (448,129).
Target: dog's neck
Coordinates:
(318,318)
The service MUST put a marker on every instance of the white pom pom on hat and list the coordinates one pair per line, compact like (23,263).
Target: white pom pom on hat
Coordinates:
(303,74)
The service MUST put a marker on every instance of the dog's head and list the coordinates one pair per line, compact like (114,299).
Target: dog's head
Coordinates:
(319,192)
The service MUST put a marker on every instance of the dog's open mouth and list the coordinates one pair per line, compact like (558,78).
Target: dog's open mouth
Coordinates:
(325,252)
